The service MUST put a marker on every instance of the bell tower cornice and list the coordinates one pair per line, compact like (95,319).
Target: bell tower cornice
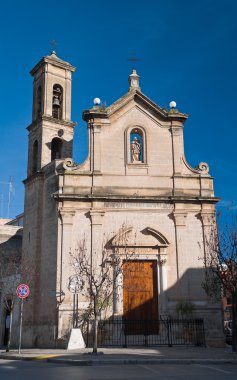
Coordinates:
(53,60)
(65,123)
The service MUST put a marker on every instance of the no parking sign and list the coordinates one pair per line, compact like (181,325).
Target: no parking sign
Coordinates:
(23,291)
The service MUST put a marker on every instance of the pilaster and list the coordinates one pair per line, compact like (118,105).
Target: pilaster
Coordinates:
(180,217)
(96,148)
(63,274)
(162,283)
(96,217)
(177,146)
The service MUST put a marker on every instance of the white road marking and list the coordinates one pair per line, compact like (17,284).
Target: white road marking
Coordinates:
(149,369)
(6,367)
(215,369)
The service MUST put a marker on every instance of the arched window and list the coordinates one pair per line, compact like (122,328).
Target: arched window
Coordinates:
(57,102)
(136,146)
(39,101)
(35,157)
(56,148)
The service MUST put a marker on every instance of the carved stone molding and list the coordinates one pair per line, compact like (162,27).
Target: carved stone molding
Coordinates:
(69,164)
(203,168)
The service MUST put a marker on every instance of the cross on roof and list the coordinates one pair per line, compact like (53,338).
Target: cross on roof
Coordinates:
(53,43)
(134,59)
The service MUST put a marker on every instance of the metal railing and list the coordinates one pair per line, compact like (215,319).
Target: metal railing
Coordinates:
(163,332)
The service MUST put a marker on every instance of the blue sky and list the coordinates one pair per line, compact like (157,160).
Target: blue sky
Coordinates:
(188,54)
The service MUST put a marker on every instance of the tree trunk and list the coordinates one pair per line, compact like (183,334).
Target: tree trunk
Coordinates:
(234,322)
(95,340)
(9,333)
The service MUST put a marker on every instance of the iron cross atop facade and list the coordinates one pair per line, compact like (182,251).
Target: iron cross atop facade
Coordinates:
(53,44)
(134,59)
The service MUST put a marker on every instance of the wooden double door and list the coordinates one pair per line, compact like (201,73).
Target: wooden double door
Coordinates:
(140,295)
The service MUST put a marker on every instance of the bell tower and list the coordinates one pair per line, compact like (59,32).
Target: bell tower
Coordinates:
(51,130)
(50,139)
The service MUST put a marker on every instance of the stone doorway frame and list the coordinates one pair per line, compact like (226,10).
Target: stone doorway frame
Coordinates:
(157,253)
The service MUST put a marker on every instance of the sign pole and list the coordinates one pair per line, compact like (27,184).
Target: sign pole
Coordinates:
(22,292)
(21,313)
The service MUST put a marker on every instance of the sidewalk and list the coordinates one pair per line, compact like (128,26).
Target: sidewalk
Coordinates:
(106,356)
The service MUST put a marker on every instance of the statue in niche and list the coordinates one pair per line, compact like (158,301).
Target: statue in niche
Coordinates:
(135,149)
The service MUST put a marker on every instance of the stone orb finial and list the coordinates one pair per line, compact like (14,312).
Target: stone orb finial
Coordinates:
(172,104)
(96,101)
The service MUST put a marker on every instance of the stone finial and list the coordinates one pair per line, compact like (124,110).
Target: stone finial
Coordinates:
(133,80)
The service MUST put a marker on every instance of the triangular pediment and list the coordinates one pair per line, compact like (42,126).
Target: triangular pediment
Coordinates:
(147,104)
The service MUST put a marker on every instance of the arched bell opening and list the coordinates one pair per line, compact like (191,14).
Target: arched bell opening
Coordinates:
(56,149)
(39,101)
(57,102)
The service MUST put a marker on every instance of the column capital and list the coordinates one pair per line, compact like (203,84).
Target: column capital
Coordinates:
(162,261)
(207,218)
(66,216)
(96,217)
(162,257)
(180,218)
(176,130)
(97,128)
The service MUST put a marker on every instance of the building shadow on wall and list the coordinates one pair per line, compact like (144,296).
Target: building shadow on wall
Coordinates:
(11,245)
(10,259)
(186,300)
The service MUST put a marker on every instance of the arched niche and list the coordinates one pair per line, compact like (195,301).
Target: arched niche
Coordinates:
(136,145)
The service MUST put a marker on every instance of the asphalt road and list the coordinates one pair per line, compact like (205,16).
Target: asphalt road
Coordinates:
(23,370)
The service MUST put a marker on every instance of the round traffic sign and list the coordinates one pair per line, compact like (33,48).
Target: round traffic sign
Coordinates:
(23,291)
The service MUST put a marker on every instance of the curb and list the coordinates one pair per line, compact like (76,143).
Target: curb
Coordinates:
(27,358)
(78,362)
(51,358)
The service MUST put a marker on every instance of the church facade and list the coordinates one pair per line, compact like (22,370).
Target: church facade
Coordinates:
(136,176)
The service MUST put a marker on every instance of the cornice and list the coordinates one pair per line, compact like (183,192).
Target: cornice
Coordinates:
(170,199)
(53,61)
(65,123)
(33,177)
(94,113)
